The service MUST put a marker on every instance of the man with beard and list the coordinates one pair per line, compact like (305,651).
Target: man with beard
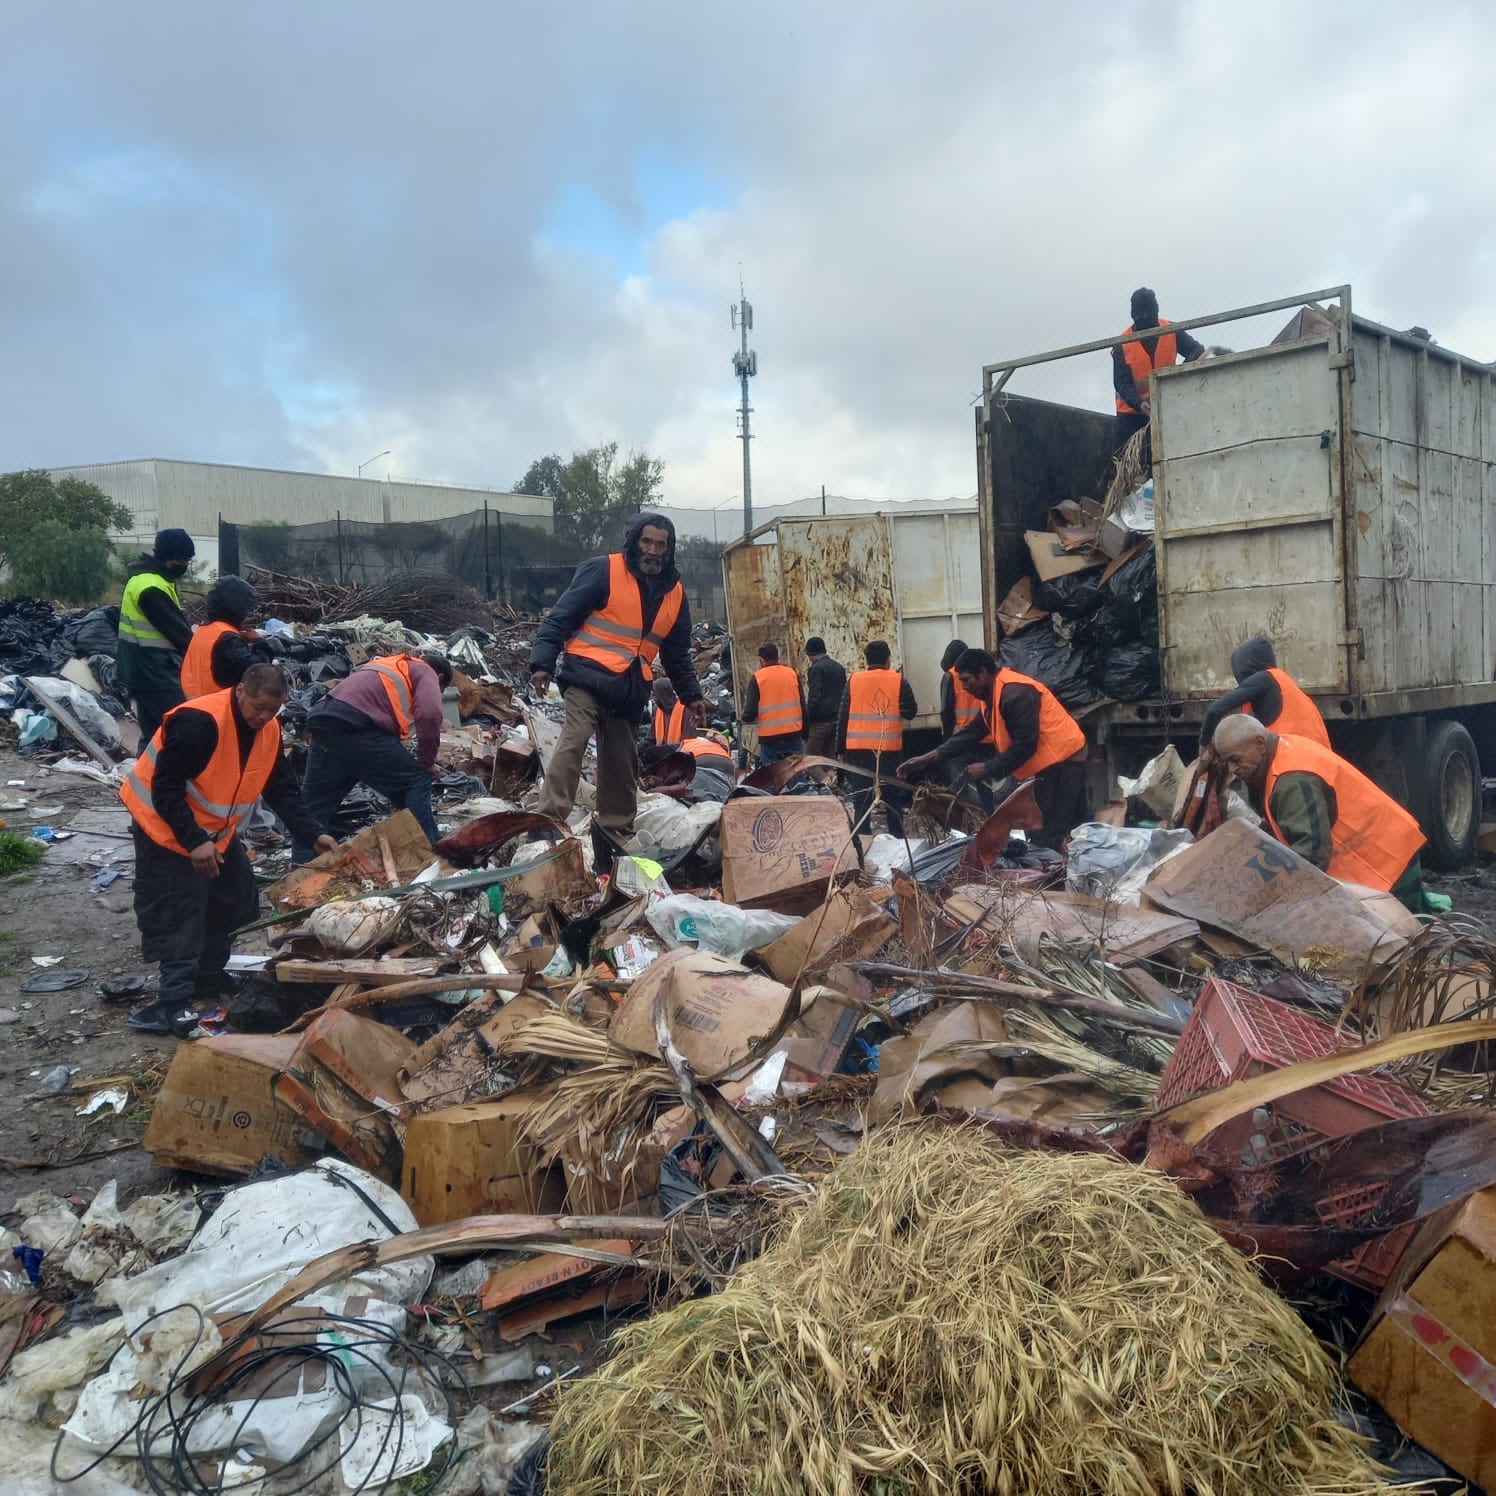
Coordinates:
(621,613)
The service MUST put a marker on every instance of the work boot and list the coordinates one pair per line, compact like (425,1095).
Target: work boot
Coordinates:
(165,1017)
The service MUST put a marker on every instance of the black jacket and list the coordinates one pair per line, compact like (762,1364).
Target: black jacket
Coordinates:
(1020,706)
(1250,663)
(622,694)
(824,683)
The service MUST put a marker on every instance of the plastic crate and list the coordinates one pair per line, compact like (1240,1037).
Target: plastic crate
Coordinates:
(1234,1033)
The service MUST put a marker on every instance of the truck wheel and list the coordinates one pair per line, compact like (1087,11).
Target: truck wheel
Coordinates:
(1453,799)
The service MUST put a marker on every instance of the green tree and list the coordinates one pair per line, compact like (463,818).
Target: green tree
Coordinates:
(54,560)
(34,498)
(594,493)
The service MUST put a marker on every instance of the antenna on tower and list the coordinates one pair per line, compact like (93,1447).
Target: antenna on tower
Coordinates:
(745,366)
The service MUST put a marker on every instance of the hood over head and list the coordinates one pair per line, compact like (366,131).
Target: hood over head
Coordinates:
(668,574)
(231,600)
(1252,657)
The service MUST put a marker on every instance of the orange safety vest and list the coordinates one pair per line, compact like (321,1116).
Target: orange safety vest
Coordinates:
(873,721)
(672,728)
(394,675)
(968,707)
(226,790)
(706,748)
(778,701)
(1165,355)
(197,663)
(1060,735)
(1299,717)
(614,637)
(1373,839)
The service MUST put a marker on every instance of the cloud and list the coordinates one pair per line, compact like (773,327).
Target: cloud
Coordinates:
(475,234)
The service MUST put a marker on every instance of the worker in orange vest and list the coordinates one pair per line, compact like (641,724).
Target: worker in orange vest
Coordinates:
(1324,808)
(621,613)
(775,703)
(668,725)
(187,794)
(1268,693)
(875,705)
(1023,733)
(222,649)
(1133,363)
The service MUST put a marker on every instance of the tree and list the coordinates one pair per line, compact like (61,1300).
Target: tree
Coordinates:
(54,560)
(33,498)
(594,495)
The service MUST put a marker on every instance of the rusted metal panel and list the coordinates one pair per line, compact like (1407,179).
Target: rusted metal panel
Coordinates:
(755,604)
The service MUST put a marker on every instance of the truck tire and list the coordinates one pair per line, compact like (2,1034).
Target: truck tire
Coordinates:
(1452,797)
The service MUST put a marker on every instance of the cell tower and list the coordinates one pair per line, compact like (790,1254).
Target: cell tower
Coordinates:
(745,366)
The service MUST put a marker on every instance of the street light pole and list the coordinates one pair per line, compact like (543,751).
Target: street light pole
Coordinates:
(374,458)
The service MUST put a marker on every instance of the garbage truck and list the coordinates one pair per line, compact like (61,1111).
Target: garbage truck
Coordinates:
(1335,490)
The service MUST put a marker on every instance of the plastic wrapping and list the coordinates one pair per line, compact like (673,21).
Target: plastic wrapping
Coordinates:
(683,919)
(1113,862)
(1067,670)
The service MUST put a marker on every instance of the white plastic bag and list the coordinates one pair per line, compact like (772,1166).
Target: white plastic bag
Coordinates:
(349,927)
(1113,862)
(683,919)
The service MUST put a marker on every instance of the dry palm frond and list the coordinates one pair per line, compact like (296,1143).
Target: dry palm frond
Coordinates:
(1086,974)
(1128,473)
(952,1316)
(1041,1035)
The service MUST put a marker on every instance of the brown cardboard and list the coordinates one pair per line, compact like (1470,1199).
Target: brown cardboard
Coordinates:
(471,1160)
(934,1061)
(531,946)
(550,880)
(547,1272)
(1241,880)
(781,852)
(719,1011)
(847,927)
(464,1061)
(1052,560)
(816,1041)
(356,862)
(1017,610)
(1429,1356)
(217,1112)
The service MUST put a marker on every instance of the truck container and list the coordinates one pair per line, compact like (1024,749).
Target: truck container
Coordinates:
(1333,490)
(911,579)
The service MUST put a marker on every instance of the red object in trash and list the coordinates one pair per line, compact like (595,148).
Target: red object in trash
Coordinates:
(1234,1033)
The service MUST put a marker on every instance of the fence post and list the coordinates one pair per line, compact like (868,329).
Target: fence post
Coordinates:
(342,575)
(503,585)
(487,578)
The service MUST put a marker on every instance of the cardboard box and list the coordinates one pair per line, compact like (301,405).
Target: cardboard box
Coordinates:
(554,878)
(359,860)
(816,1041)
(781,852)
(1017,611)
(1429,1356)
(464,1061)
(720,1012)
(1052,560)
(847,927)
(547,1273)
(471,1160)
(217,1112)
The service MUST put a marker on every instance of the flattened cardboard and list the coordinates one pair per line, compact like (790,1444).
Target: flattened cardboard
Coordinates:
(816,1041)
(217,1112)
(719,1011)
(358,860)
(1241,880)
(1052,560)
(928,1063)
(552,880)
(847,927)
(1017,610)
(547,1272)
(781,852)
(466,1063)
(1429,1354)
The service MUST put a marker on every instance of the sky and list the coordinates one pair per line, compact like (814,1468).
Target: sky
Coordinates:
(300,234)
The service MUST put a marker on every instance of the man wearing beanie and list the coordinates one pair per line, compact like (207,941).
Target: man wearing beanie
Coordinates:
(222,649)
(153,634)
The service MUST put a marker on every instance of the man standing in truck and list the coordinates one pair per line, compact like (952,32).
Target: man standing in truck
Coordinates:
(1268,693)
(1133,363)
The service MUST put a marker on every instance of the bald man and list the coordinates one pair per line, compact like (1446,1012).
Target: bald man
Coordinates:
(1322,807)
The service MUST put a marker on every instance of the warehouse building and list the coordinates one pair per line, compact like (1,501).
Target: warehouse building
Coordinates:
(197,496)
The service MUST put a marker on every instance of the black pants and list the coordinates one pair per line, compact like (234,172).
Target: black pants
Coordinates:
(342,756)
(1063,801)
(187,921)
(895,792)
(151,704)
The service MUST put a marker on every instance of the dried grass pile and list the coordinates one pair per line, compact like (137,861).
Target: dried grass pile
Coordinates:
(949,1315)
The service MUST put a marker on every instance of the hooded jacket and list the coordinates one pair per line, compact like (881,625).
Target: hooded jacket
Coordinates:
(625,693)
(1258,691)
(155,671)
(231,600)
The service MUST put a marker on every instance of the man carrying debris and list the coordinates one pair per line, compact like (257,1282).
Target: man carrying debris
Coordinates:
(358,732)
(1268,693)
(620,614)
(153,633)
(1033,736)
(1322,807)
(1133,363)
(825,681)
(776,704)
(221,650)
(187,793)
(669,715)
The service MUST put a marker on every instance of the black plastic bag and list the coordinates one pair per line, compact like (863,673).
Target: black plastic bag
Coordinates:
(1068,671)
(1072,597)
(1131,608)
(1130,672)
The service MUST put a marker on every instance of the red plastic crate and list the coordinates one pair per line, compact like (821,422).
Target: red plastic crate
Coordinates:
(1234,1033)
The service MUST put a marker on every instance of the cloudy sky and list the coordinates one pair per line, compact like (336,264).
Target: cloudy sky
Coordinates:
(295,234)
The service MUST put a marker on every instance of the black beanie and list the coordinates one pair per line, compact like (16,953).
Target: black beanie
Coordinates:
(173,545)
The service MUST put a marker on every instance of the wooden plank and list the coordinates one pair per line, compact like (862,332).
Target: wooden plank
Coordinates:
(365,973)
(74,727)
(391,875)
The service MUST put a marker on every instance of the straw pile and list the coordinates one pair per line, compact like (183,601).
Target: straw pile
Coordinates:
(949,1315)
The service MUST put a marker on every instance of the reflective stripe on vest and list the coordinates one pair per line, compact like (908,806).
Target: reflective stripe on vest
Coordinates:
(394,675)
(873,721)
(706,748)
(778,701)
(1373,839)
(968,707)
(1060,735)
(197,663)
(1298,717)
(614,637)
(1165,354)
(134,627)
(223,793)
(670,729)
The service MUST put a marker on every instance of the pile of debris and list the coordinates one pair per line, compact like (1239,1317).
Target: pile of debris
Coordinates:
(431,602)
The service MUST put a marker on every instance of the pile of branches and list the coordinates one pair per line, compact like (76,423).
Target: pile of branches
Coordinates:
(429,601)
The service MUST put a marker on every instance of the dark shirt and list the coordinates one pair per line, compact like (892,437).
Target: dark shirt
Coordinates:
(1260,692)
(622,693)
(191,741)
(1122,380)
(1304,811)
(1019,705)
(166,618)
(825,683)
(907,708)
(233,654)
(947,704)
(750,701)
